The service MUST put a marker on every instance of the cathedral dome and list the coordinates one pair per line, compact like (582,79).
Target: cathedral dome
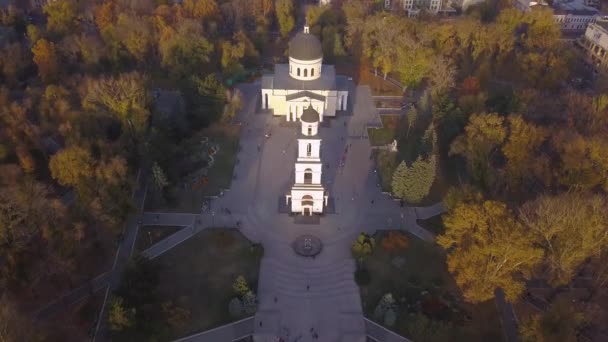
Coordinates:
(305,47)
(309,115)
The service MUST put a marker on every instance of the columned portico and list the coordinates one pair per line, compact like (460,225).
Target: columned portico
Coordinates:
(304,82)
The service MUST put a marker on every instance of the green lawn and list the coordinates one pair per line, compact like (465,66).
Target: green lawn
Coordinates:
(198,275)
(149,235)
(386,134)
(422,286)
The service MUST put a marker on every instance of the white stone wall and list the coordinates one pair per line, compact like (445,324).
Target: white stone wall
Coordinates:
(314,128)
(305,70)
(306,145)
(315,168)
(317,195)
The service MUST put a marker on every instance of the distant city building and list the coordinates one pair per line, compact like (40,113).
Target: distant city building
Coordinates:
(595,44)
(413,7)
(571,15)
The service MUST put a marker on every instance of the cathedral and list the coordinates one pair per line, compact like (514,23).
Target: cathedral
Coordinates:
(304,82)
(306,90)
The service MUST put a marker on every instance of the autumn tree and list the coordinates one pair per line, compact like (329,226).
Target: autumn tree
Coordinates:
(562,322)
(13,62)
(46,59)
(570,228)
(61,16)
(124,98)
(363,246)
(184,51)
(120,317)
(105,14)
(72,166)
(240,286)
(442,75)
(394,241)
(487,248)
(205,9)
(483,135)
(285,15)
(522,152)
(232,53)
(355,13)
(583,161)
(159,177)
(380,36)
(137,35)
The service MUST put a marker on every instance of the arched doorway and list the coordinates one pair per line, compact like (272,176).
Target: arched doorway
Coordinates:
(308,176)
(307,203)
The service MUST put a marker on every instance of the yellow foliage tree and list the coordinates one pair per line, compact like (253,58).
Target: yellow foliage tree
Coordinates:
(487,249)
(570,227)
(522,151)
(45,57)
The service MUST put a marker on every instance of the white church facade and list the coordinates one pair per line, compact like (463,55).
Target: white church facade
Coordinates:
(304,82)
(305,90)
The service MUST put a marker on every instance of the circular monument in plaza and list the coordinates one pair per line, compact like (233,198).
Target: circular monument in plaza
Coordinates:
(307,245)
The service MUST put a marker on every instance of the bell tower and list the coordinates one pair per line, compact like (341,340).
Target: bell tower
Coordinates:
(307,194)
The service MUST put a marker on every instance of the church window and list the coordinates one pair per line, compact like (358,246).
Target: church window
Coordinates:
(298,71)
(308,150)
(309,130)
(307,176)
(312,72)
(305,72)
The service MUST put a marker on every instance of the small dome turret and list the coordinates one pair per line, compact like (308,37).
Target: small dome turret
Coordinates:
(309,115)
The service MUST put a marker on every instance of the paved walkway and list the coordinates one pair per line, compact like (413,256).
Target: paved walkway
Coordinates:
(381,334)
(296,294)
(229,332)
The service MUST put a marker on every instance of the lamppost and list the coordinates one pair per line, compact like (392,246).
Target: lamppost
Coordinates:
(213,218)
(150,237)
